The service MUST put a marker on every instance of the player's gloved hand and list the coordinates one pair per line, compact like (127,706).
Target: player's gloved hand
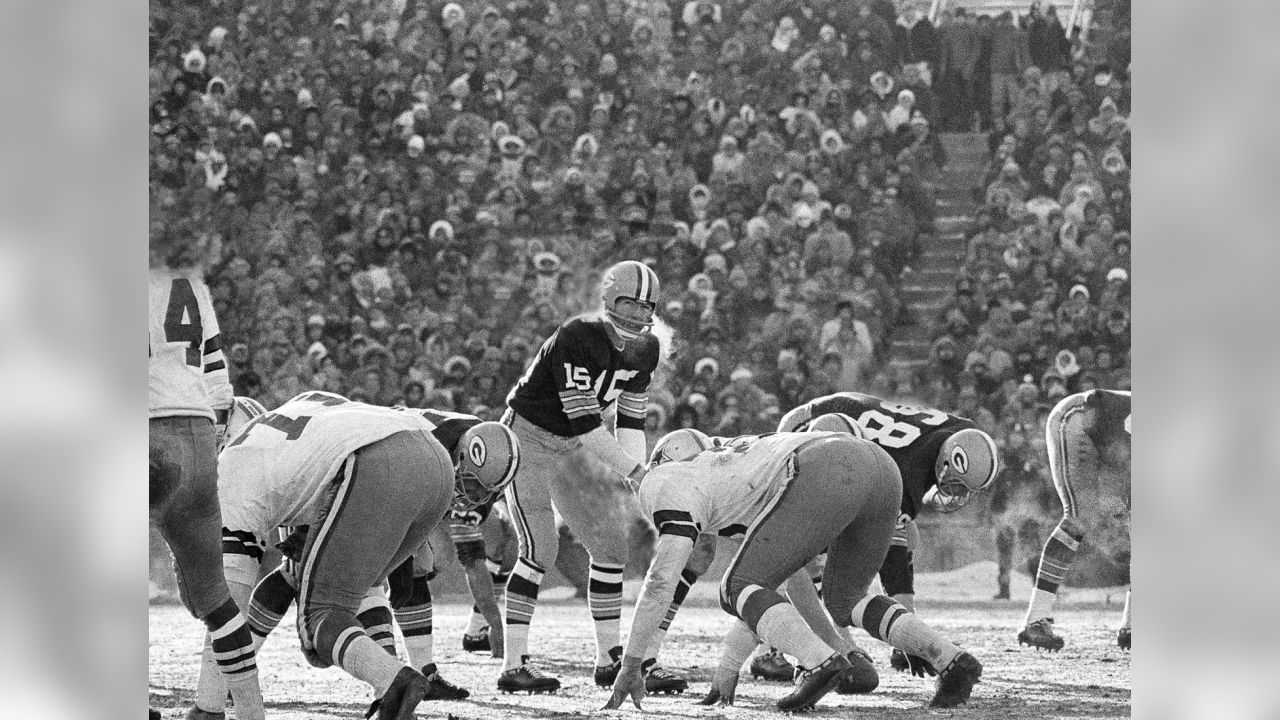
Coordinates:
(292,546)
(496,640)
(915,665)
(724,685)
(630,682)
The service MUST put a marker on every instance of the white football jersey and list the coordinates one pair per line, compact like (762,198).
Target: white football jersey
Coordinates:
(725,488)
(278,469)
(187,373)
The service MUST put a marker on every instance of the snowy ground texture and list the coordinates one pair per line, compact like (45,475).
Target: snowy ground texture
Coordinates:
(1088,679)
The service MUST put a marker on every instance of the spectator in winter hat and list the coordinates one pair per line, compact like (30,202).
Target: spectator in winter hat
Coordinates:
(900,113)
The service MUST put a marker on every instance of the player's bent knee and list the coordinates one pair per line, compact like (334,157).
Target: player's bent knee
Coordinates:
(1077,526)
(333,629)
(840,608)
(545,549)
(752,603)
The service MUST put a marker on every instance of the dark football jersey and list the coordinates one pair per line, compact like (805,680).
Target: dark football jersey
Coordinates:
(449,426)
(578,373)
(1110,416)
(911,435)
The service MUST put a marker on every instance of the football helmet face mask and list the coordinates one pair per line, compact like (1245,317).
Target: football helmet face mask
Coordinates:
(487,457)
(836,422)
(967,462)
(243,411)
(629,291)
(679,445)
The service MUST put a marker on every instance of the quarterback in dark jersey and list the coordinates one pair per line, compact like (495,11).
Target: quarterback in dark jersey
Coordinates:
(588,364)
(1089,437)
(943,459)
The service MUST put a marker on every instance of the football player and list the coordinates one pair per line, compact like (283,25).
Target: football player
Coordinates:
(1088,433)
(801,589)
(943,460)
(790,495)
(588,364)
(372,483)
(410,601)
(189,397)
(467,529)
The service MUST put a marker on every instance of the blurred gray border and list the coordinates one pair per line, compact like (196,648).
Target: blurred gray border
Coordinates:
(73,228)
(1206,252)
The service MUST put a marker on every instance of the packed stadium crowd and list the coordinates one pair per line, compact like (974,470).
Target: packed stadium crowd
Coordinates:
(410,196)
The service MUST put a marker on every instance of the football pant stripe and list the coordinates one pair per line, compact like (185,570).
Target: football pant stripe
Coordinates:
(321,540)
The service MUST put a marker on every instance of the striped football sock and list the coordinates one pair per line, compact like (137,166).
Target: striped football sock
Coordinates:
(604,597)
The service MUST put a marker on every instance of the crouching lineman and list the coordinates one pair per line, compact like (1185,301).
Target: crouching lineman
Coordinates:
(928,446)
(791,495)
(372,483)
(1087,433)
(410,602)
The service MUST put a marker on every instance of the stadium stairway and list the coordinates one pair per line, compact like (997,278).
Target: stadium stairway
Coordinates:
(925,287)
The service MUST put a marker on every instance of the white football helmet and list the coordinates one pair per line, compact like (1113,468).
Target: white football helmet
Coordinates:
(967,462)
(679,445)
(487,458)
(243,411)
(836,422)
(629,280)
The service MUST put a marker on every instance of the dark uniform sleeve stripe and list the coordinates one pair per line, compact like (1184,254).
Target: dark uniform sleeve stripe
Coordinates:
(214,366)
(731,530)
(213,344)
(662,516)
(681,529)
(676,522)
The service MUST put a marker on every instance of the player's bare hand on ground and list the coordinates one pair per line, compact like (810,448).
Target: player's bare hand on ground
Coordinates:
(630,682)
(723,688)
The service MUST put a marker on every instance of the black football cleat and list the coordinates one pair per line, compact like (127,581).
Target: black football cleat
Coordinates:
(1040,634)
(861,679)
(195,713)
(956,681)
(772,666)
(815,683)
(408,689)
(659,680)
(478,642)
(606,674)
(526,679)
(1124,638)
(153,714)
(442,689)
